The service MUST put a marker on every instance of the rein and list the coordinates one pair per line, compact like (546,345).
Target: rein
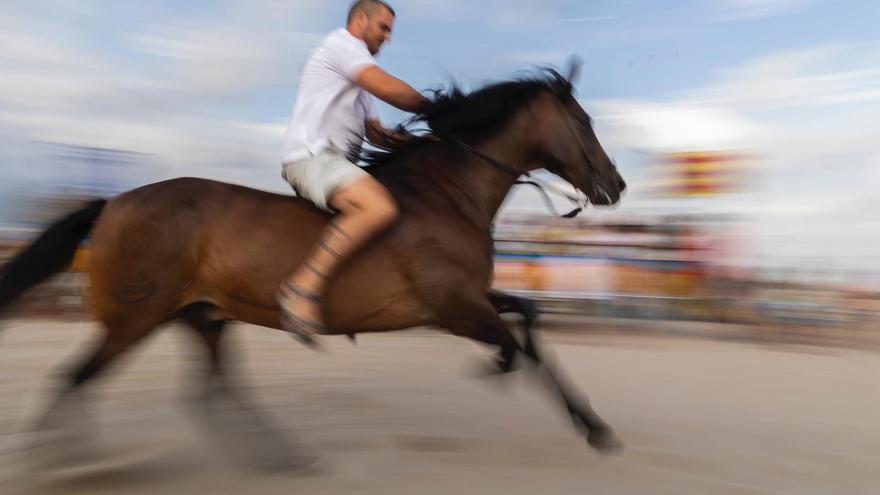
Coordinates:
(540,186)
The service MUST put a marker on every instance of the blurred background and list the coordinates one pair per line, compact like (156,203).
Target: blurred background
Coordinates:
(746,130)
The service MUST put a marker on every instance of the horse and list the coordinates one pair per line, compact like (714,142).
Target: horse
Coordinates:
(207,253)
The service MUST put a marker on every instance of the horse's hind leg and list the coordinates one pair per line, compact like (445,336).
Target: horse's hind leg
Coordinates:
(243,432)
(117,340)
(65,423)
(209,328)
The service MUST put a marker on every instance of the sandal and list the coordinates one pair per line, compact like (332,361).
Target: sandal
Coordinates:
(299,328)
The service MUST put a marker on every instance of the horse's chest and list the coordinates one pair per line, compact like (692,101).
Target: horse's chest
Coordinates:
(443,255)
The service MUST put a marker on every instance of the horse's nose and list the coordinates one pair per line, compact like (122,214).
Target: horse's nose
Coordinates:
(621,184)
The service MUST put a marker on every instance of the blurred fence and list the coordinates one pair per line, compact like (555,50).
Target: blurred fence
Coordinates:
(62,297)
(665,269)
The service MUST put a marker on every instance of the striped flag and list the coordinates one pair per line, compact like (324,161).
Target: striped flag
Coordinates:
(700,173)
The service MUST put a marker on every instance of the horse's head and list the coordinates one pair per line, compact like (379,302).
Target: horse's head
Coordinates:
(537,116)
(567,146)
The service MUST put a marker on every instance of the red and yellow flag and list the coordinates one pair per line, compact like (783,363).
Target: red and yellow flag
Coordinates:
(700,173)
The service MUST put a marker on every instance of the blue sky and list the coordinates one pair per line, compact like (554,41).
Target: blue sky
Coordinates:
(205,88)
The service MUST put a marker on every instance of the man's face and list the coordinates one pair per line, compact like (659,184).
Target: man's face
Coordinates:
(377,29)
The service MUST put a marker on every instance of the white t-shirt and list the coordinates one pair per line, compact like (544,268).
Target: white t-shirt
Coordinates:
(330,107)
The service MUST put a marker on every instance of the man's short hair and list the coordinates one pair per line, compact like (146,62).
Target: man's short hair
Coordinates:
(368,7)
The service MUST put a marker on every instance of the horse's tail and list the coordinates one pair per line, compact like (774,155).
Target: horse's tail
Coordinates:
(52,252)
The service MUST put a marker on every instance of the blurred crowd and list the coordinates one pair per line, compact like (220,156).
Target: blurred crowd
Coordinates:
(680,267)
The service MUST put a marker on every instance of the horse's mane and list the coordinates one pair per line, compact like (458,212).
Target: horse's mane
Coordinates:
(471,116)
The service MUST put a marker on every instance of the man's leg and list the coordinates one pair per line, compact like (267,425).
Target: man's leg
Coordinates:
(365,209)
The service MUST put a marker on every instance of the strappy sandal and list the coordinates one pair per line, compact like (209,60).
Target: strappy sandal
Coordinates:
(299,328)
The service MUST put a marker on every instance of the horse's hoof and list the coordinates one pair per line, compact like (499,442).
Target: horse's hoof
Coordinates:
(490,369)
(605,441)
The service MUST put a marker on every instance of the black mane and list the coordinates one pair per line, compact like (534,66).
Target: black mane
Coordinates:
(472,116)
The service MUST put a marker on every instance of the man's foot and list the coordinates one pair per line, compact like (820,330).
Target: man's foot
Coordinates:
(300,313)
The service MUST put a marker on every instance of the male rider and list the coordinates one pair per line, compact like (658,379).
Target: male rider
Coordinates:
(334,112)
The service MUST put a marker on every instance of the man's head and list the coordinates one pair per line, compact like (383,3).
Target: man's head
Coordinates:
(371,21)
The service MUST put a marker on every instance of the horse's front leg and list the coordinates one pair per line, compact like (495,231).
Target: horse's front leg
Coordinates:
(506,303)
(460,303)
(475,317)
(599,433)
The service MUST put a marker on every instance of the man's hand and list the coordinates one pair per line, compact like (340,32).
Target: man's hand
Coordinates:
(390,89)
(380,136)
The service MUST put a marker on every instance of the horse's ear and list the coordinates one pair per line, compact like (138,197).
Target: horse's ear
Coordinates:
(574,62)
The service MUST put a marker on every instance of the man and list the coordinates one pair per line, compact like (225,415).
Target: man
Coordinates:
(333,112)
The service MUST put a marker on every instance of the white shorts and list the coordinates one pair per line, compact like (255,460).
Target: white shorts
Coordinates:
(317,177)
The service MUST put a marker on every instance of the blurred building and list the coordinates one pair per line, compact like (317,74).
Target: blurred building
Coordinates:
(89,172)
(64,175)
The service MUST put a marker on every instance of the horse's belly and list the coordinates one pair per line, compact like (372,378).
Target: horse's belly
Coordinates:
(371,295)
(393,314)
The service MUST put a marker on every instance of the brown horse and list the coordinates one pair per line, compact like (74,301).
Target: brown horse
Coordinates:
(208,252)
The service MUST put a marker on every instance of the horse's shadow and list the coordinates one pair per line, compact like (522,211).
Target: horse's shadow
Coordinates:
(248,436)
(66,455)
(108,476)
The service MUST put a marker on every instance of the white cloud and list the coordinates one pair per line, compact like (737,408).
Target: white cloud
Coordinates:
(215,57)
(817,169)
(873,176)
(212,58)
(27,49)
(673,126)
(579,20)
(828,75)
(432,8)
(751,9)
(795,107)
(162,96)
(539,57)
(498,14)
(19,12)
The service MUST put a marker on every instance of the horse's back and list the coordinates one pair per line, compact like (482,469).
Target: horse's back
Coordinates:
(202,240)
(203,205)
(205,195)
(162,234)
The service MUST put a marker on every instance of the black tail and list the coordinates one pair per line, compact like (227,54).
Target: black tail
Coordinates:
(50,253)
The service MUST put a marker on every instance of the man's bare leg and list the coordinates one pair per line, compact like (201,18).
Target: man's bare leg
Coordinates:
(365,209)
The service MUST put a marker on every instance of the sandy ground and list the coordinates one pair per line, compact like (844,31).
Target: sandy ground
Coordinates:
(401,414)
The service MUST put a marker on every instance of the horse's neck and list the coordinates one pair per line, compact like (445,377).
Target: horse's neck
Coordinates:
(466,184)
(487,184)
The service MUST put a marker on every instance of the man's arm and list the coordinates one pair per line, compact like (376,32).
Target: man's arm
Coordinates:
(390,89)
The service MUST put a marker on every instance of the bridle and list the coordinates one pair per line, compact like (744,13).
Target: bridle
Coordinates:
(516,172)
